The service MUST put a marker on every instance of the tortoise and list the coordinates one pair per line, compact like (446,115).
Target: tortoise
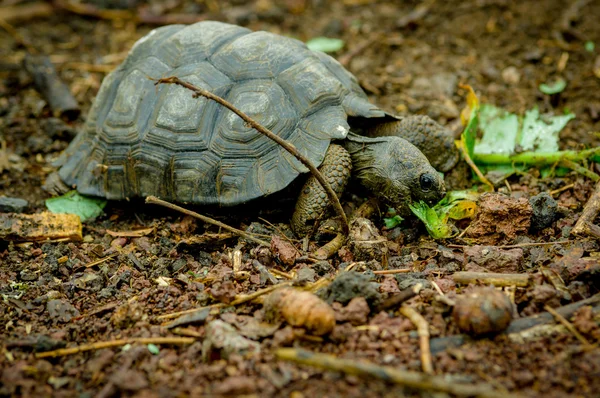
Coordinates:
(141,139)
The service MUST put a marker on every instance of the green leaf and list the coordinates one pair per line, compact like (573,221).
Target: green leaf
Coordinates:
(540,134)
(558,86)
(153,348)
(325,44)
(436,224)
(589,46)
(85,207)
(500,129)
(392,222)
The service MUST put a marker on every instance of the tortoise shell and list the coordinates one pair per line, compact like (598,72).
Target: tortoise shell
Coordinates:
(141,139)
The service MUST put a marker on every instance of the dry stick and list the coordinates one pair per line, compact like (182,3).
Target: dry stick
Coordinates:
(283,143)
(25,12)
(416,380)
(156,201)
(393,271)
(496,279)
(423,331)
(241,299)
(399,298)
(589,213)
(527,244)
(562,189)
(140,16)
(473,166)
(567,324)
(115,343)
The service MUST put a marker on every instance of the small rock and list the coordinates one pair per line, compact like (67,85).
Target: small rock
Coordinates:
(222,340)
(284,250)
(349,285)
(235,386)
(544,211)
(494,259)
(129,380)
(365,241)
(511,76)
(356,312)
(409,279)
(307,274)
(500,217)
(12,205)
(482,311)
(322,267)
(61,310)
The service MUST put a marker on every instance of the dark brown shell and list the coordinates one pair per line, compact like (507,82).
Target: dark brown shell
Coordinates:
(141,139)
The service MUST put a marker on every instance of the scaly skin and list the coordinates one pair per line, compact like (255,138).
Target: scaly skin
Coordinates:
(434,140)
(313,201)
(390,167)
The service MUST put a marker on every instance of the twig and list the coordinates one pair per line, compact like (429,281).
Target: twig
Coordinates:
(400,298)
(527,244)
(16,35)
(416,380)
(90,10)
(589,213)
(567,324)
(26,12)
(283,143)
(423,331)
(156,201)
(345,59)
(496,279)
(240,299)
(579,169)
(48,83)
(393,271)
(114,343)
(562,189)
(4,162)
(472,164)
(190,311)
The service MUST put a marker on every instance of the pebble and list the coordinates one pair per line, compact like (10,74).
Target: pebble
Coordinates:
(12,205)
(221,340)
(544,211)
(511,75)
(61,310)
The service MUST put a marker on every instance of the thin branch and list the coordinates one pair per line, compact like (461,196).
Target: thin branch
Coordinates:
(399,298)
(393,271)
(567,324)
(589,213)
(496,279)
(526,244)
(283,143)
(240,299)
(114,343)
(156,201)
(416,380)
(423,331)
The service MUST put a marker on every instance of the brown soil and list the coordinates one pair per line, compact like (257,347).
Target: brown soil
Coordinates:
(409,62)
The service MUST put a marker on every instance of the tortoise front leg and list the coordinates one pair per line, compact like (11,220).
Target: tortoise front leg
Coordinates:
(313,202)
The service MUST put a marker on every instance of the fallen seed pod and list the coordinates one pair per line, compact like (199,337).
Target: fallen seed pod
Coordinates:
(483,310)
(301,309)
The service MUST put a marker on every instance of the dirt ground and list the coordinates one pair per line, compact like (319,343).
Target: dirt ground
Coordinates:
(410,57)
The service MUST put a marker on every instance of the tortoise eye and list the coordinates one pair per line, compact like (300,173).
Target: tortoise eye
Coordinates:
(427,182)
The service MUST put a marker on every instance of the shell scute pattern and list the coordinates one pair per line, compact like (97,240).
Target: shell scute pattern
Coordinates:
(143,139)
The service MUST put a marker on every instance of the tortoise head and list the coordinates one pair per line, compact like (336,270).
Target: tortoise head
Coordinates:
(395,170)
